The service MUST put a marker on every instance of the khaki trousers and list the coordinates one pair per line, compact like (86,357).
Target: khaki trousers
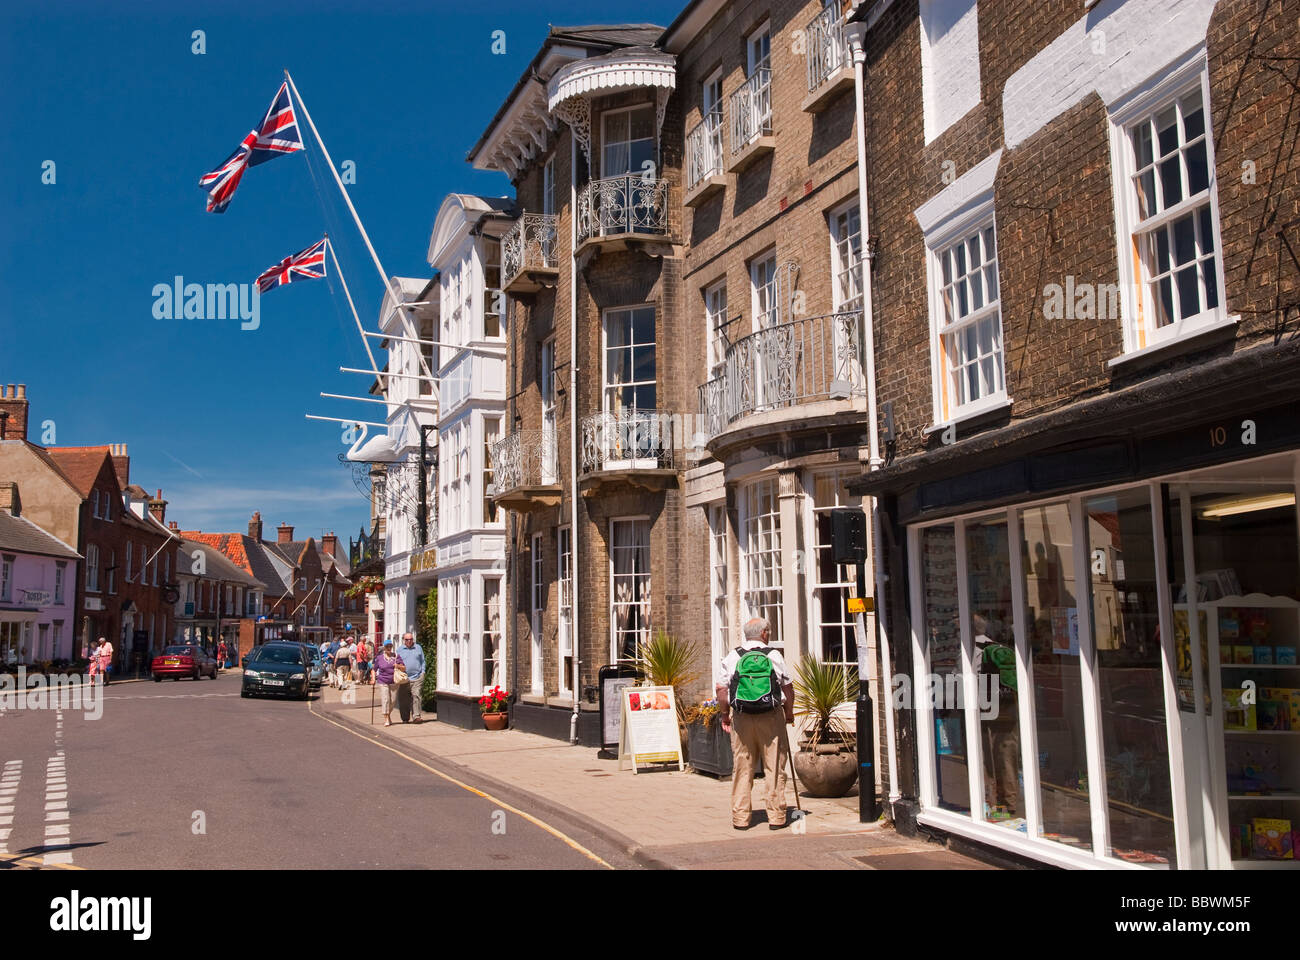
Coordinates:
(755,736)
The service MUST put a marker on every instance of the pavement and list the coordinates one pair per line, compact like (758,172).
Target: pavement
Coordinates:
(662,818)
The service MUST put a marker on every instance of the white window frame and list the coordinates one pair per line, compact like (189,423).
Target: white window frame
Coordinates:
(92,568)
(842,229)
(613,434)
(813,585)
(564,634)
(536,610)
(605,142)
(719,586)
(715,324)
(550,435)
(1140,334)
(60,577)
(755,38)
(548,187)
(961,229)
(765,313)
(711,96)
(485,632)
(7,577)
(751,523)
(489,469)
(645,604)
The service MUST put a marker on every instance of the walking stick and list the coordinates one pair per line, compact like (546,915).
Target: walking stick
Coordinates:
(785,734)
(372,703)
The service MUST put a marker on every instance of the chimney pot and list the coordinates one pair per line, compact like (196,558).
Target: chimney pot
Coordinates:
(22,391)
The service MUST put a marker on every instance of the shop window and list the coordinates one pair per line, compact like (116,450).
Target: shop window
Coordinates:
(1126,634)
(761,555)
(993,658)
(1051,618)
(943,652)
(1168,211)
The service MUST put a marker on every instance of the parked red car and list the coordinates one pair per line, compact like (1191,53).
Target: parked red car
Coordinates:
(183,660)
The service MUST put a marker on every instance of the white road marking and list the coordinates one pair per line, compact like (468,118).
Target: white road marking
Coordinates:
(57,805)
(13,773)
(56,809)
(55,829)
(55,796)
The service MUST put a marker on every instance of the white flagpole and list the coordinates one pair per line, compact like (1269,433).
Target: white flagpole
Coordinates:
(383,274)
(383,383)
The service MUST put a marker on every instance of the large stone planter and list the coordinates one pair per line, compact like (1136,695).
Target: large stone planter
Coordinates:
(709,748)
(826,774)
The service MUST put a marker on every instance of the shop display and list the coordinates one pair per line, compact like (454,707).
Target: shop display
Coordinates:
(1272,839)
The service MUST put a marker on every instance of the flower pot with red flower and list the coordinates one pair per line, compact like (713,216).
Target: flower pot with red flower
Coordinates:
(493,706)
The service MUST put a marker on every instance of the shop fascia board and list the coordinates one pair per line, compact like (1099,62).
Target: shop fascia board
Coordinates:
(1183,397)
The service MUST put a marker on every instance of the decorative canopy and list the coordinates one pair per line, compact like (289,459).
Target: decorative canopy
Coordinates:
(570,90)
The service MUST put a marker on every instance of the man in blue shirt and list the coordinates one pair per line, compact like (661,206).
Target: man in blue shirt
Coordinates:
(412,657)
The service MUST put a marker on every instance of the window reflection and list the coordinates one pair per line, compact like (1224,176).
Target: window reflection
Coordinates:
(943,644)
(1051,618)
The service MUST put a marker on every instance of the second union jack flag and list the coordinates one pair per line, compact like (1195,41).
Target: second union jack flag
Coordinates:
(307,264)
(277,134)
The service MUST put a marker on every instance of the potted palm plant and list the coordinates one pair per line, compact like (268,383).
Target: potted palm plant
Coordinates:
(826,762)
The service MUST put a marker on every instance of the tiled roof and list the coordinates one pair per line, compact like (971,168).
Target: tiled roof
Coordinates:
(617,34)
(247,553)
(218,564)
(80,465)
(22,536)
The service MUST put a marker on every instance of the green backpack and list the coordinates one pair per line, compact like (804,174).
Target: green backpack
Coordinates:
(753,684)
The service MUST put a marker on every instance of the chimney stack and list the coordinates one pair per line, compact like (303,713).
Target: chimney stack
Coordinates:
(284,533)
(121,463)
(173,525)
(158,507)
(255,526)
(9,499)
(13,412)
(329,544)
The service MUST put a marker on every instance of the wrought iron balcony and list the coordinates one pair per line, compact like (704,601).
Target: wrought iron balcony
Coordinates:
(529,254)
(751,118)
(830,64)
(704,170)
(786,366)
(628,440)
(630,204)
(525,468)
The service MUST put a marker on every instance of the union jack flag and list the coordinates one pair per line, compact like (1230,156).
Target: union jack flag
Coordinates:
(306,264)
(276,135)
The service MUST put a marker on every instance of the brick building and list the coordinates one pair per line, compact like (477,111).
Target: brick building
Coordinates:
(1084,294)
(76,494)
(601,369)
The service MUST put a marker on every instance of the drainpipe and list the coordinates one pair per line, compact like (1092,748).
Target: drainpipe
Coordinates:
(573,423)
(856,35)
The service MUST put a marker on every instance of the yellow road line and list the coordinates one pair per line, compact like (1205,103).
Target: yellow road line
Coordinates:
(474,790)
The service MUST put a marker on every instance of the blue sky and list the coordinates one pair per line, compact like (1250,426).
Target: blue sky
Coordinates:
(131,118)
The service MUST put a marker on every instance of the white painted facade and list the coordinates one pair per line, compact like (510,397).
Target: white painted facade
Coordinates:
(412,404)
(950,62)
(465,250)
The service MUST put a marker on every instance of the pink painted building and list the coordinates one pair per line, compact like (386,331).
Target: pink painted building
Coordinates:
(38,588)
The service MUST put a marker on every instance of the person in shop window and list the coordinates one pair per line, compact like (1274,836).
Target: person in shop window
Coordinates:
(995,664)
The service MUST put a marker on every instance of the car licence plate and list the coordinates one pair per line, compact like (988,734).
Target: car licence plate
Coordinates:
(273,683)
(171,663)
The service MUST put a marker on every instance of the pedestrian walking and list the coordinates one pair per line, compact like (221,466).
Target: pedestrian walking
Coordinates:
(221,655)
(105,657)
(412,657)
(342,666)
(364,655)
(385,665)
(356,661)
(756,701)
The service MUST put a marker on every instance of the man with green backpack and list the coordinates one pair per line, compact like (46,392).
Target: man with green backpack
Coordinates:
(756,701)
